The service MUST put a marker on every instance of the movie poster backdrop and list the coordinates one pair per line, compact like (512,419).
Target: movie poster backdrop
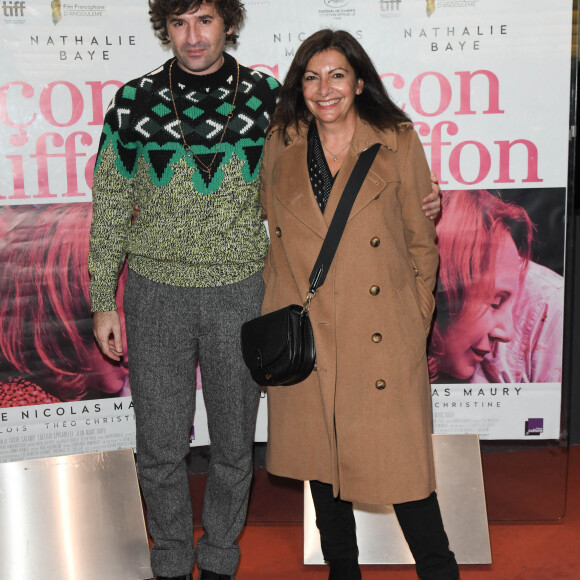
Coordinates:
(488,87)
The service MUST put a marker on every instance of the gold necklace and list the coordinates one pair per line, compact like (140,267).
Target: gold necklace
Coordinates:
(334,155)
(188,151)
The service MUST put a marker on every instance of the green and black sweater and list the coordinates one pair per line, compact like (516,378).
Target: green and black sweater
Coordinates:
(193,229)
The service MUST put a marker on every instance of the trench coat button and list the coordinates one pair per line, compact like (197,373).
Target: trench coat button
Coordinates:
(278,232)
(377,337)
(374,290)
(416,272)
(375,242)
(380,385)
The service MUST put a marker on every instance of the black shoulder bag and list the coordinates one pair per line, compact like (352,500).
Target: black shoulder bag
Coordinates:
(278,347)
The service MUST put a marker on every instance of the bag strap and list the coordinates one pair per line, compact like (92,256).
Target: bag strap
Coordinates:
(340,218)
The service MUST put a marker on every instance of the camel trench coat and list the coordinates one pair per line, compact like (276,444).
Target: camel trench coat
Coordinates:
(362,420)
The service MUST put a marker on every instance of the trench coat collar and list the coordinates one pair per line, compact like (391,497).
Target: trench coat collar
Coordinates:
(364,136)
(298,197)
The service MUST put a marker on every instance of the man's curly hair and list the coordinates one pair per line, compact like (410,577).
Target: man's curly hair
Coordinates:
(231,11)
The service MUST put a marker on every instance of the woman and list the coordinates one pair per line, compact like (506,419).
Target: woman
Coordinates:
(359,427)
(47,350)
(485,247)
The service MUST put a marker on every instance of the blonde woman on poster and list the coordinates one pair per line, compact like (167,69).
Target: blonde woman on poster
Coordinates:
(498,315)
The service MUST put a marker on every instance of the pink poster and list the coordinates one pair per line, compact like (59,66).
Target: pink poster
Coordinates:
(488,87)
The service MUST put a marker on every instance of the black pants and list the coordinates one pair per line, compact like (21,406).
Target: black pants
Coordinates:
(420,521)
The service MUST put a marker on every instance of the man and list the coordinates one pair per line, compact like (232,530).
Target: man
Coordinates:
(184,144)
(195,252)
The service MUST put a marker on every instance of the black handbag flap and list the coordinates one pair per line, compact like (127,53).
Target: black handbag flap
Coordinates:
(272,332)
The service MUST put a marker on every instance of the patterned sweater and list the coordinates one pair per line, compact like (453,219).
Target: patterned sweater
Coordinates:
(193,228)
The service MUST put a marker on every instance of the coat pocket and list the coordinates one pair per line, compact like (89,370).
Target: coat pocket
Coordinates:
(426,304)
(415,324)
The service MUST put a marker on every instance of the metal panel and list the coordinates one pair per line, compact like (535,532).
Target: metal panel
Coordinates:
(462,502)
(77,517)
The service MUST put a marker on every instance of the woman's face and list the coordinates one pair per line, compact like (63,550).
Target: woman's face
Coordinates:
(486,319)
(329,86)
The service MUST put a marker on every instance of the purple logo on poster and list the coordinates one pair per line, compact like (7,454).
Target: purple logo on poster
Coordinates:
(534,426)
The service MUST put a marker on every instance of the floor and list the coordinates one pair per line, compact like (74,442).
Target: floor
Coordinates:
(533,500)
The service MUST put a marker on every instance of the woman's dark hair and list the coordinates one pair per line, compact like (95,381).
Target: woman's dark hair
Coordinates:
(372,105)
(231,11)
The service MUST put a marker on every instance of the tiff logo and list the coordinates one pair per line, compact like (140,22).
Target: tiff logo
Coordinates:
(13,9)
(389,5)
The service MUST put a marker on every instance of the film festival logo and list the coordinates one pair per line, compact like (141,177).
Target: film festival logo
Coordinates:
(60,9)
(390,8)
(56,11)
(337,9)
(13,11)
(430,4)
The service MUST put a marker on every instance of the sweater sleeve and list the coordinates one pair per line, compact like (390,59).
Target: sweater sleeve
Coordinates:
(113,204)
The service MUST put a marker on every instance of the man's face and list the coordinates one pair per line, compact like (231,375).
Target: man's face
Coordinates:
(198,39)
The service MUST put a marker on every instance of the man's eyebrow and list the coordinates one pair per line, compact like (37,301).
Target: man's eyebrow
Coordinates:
(177,17)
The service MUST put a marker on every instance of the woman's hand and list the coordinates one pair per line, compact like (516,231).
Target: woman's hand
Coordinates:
(432,203)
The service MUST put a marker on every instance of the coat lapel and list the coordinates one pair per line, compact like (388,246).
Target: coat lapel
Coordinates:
(293,187)
(364,136)
(371,187)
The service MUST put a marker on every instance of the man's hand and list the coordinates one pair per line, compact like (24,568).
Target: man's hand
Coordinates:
(107,331)
(432,203)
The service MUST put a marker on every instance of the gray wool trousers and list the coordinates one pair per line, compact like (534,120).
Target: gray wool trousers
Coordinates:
(169,329)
